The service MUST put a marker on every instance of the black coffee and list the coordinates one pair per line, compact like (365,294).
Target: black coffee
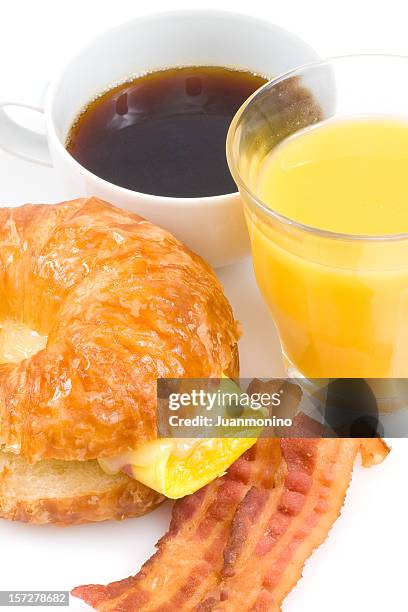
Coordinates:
(164,133)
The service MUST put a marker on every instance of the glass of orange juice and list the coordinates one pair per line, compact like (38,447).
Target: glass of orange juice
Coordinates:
(320,156)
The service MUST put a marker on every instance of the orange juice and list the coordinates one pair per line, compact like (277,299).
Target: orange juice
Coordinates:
(338,292)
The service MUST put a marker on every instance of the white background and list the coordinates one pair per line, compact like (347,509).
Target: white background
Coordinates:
(363,565)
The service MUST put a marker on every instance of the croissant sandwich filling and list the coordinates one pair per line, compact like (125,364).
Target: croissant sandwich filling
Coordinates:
(179,467)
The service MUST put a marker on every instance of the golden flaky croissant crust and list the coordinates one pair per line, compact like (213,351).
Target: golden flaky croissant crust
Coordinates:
(122,303)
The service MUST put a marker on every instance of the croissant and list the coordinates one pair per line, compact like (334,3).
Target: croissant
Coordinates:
(107,303)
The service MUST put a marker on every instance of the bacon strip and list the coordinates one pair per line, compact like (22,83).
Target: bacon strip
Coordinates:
(189,558)
(292,520)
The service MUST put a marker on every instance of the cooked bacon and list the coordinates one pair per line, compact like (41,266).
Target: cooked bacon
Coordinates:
(373,451)
(189,558)
(267,549)
(241,542)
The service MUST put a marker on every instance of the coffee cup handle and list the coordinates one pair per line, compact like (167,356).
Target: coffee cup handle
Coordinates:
(21,141)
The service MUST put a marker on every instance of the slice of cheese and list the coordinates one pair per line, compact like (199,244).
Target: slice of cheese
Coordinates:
(178,467)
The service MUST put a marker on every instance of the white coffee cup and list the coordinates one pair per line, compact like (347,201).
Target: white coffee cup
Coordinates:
(214,227)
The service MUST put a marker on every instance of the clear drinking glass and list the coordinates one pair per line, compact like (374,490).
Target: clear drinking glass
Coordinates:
(340,302)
